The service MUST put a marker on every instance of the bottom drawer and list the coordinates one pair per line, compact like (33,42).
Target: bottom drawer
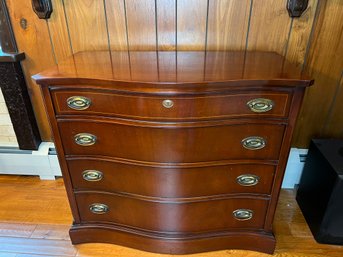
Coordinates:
(215,214)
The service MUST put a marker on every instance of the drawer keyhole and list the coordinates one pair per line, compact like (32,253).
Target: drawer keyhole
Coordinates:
(168,103)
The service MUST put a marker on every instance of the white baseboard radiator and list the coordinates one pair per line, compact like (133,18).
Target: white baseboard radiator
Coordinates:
(44,163)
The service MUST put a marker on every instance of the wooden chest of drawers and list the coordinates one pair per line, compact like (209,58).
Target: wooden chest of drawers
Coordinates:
(173,152)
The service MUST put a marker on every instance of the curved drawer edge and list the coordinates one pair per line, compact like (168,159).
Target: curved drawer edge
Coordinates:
(244,240)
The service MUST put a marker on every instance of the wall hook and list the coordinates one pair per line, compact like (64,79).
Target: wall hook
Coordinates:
(296,7)
(43,8)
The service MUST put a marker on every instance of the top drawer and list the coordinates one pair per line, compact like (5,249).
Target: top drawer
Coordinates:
(247,104)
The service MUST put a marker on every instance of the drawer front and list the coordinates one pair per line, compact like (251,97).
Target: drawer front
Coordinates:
(170,107)
(172,144)
(177,217)
(111,176)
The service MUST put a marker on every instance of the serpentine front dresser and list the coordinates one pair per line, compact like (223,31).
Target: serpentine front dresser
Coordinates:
(173,152)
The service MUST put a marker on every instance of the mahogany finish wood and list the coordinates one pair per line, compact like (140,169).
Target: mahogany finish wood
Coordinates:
(169,172)
(178,143)
(167,216)
(166,180)
(216,106)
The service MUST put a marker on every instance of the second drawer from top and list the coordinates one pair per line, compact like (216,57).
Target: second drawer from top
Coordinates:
(171,143)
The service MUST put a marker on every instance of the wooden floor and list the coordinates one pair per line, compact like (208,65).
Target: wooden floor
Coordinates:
(35,217)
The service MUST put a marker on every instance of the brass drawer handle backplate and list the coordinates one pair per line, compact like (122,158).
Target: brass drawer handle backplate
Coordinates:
(78,103)
(98,208)
(168,103)
(92,175)
(243,214)
(260,105)
(254,143)
(85,139)
(247,180)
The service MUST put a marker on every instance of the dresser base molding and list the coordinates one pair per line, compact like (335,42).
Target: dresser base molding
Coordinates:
(153,242)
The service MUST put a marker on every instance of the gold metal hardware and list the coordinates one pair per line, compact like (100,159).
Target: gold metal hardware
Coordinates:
(254,143)
(168,103)
(85,139)
(92,175)
(247,180)
(98,208)
(78,103)
(243,214)
(260,105)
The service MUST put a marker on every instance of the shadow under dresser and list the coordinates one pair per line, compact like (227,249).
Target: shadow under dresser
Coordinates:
(173,152)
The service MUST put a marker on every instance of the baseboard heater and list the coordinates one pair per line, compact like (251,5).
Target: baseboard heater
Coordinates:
(42,163)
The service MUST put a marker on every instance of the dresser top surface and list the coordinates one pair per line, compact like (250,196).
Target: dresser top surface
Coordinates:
(170,67)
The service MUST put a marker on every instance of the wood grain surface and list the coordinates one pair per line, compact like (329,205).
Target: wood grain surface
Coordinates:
(320,114)
(87,25)
(191,24)
(46,235)
(228,23)
(34,40)
(194,25)
(141,24)
(269,26)
(59,33)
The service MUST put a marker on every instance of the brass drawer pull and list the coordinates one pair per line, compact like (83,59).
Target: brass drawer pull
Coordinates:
(85,139)
(78,102)
(98,208)
(168,103)
(260,105)
(243,214)
(92,175)
(254,143)
(247,180)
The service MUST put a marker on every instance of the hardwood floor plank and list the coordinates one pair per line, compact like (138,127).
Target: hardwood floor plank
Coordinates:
(16,229)
(50,231)
(37,221)
(28,200)
(35,255)
(36,246)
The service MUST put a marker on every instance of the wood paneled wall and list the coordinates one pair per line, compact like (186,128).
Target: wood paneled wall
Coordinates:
(315,40)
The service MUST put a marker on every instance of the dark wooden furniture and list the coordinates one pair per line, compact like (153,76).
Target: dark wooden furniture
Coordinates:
(13,86)
(320,191)
(173,152)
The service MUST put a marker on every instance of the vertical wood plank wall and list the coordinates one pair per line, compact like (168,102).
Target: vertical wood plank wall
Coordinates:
(314,41)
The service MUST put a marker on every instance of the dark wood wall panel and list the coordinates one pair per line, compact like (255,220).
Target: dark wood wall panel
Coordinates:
(269,26)
(116,23)
(77,25)
(228,22)
(300,33)
(191,24)
(87,25)
(320,114)
(141,24)
(166,24)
